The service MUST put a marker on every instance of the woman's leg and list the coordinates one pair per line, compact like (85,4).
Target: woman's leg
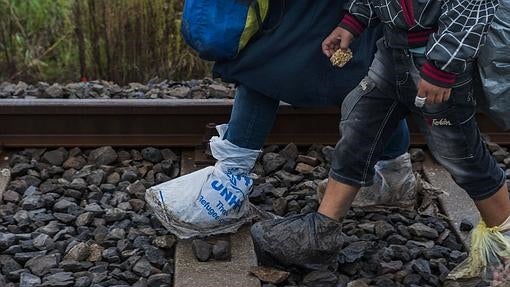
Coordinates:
(252,118)
(398,144)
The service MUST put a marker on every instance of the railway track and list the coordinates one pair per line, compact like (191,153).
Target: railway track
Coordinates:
(183,124)
(48,123)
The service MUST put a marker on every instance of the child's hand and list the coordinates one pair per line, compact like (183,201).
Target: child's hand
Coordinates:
(433,93)
(338,39)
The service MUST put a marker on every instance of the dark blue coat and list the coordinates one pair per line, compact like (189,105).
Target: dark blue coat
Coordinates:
(287,64)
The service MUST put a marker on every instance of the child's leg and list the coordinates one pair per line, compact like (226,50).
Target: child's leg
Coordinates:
(454,139)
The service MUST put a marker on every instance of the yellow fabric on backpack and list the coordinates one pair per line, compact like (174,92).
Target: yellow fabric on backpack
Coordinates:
(252,24)
(489,253)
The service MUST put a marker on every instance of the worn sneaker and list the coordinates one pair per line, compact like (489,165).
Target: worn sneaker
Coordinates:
(310,241)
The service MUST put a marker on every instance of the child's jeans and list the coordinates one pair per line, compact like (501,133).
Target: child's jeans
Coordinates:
(372,111)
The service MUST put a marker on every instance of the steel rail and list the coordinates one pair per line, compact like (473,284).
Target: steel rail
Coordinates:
(171,123)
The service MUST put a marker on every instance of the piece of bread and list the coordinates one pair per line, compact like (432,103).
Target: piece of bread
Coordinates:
(341,57)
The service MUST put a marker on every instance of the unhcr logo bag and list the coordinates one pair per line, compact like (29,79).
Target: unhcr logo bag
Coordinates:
(209,201)
(220,29)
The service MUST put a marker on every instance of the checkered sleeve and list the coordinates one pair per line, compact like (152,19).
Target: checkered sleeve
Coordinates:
(462,28)
(359,15)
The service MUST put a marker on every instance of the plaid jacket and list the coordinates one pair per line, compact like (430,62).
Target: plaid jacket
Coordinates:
(452,30)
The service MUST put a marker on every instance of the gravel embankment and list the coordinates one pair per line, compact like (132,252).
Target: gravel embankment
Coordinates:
(78,218)
(155,89)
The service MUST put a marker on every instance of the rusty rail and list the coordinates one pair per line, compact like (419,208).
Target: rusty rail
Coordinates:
(44,122)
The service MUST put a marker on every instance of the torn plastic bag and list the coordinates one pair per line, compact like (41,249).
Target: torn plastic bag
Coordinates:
(394,185)
(494,67)
(489,256)
(310,241)
(209,201)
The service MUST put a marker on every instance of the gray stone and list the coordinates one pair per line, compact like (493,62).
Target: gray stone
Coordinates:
(417,154)
(289,152)
(201,250)
(165,241)
(161,177)
(111,254)
(43,242)
(54,91)
(94,208)
(466,225)
(79,252)
(96,177)
(113,178)
(56,157)
(41,265)
(269,275)
(8,264)
(143,267)
(78,184)
(64,217)
(84,219)
(354,251)
(11,196)
(20,169)
(137,204)
(6,240)
(83,281)
(422,230)
(272,162)
(320,278)
(32,202)
(288,178)
(114,214)
(280,206)
(422,267)
(383,229)
(358,283)
(221,250)
(155,255)
(102,156)
(312,161)
(137,189)
(116,234)
(391,266)
(25,256)
(160,280)
(66,206)
(500,155)
(60,279)
(152,154)
(304,168)
(74,162)
(29,280)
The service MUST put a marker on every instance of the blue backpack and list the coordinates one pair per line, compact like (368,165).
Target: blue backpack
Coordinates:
(219,29)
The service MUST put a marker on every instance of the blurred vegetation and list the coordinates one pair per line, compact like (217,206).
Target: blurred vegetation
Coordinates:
(118,40)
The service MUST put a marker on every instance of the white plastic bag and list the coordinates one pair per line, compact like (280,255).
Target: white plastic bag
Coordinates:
(209,201)
(394,186)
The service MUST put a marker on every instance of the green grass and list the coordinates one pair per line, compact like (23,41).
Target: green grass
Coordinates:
(118,40)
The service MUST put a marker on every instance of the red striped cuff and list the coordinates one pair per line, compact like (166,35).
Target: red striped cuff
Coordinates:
(420,38)
(438,77)
(352,24)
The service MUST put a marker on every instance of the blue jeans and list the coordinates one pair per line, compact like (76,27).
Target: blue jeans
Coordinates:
(372,110)
(253,116)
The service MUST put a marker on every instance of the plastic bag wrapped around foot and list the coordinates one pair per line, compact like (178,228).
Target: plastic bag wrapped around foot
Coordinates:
(209,201)
(311,241)
(489,256)
(394,185)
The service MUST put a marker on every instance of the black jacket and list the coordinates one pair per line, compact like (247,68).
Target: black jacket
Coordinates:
(452,30)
